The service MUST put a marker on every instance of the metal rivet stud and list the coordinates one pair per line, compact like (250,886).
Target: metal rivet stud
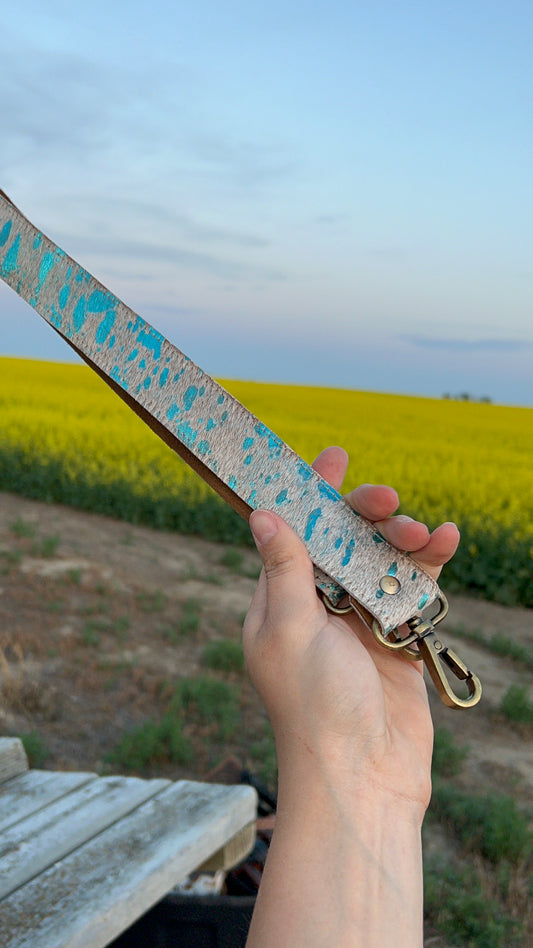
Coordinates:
(390,585)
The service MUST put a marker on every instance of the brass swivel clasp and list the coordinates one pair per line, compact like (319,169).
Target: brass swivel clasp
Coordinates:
(423,643)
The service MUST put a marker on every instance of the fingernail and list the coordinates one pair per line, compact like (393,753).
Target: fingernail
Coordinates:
(263,526)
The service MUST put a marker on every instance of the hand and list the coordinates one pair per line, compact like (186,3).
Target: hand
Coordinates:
(343,708)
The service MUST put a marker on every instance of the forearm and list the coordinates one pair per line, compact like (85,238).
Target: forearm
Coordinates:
(349,876)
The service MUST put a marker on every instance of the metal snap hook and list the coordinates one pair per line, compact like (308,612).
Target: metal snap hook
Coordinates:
(435,654)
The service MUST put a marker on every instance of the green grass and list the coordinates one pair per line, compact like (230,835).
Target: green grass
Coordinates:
(203,703)
(35,747)
(154,601)
(448,756)
(46,546)
(211,702)
(263,755)
(490,823)
(189,621)
(460,907)
(224,655)
(516,705)
(232,559)
(23,528)
(151,743)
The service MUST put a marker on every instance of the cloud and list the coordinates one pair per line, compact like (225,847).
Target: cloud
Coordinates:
(113,248)
(467,345)
(155,217)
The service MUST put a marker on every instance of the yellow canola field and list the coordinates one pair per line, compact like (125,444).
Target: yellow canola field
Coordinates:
(65,436)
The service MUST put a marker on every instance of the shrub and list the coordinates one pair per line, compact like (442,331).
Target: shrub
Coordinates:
(224,655)
(516,705)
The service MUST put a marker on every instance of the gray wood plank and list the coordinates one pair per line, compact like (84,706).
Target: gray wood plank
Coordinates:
(31,845)
(31,791)
(13,758)
(234,851)
(90,897)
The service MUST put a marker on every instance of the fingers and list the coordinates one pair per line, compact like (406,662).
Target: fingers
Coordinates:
(431,550)
(442,545)
(332,464)
(373,501)
(288,589)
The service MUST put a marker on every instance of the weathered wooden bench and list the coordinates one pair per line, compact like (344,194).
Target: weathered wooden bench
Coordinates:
(82,857)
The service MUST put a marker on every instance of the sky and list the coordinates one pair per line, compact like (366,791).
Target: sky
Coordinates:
(325,193)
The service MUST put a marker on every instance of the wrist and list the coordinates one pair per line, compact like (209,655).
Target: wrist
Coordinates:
(353,786)
(342,872)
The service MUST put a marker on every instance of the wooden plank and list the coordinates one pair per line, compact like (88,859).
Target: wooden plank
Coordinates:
(90,897)
(13,758)
(29,792)
(233,852)
(31,845)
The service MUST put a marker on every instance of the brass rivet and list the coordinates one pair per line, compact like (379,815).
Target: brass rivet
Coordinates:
(390,585)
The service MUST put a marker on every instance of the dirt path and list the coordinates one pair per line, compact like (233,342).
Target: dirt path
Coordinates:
(99,621)
(87,608)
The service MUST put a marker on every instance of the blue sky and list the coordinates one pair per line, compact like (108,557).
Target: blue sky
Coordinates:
(325,193)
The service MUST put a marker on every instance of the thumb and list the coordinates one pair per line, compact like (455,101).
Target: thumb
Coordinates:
(290,587)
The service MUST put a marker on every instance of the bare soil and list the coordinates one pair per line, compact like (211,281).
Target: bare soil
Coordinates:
(90,645)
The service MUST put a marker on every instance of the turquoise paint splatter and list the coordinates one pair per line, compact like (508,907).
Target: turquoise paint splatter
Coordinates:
(186,433)
(151,340)
(147,382)
(312,521)
(203,447)
(38,241)
(282,496)
(423,601)
(380,594)
(79,315)
(377,538)
(247,443)
(248,459)
(163,378)
(117,376)
(56,318)
(64,295)
(10,261)
(189,397)
(111,342)
(413,577)
(232,482)
(105,326)
(5,232)
(133,355)
(338,543)
(223,416)
(220,399)
(328,491)
(348,553)
(393,569)
(275,444)
(210,425)
(305,471)
(47,263)
(173,411)
(98,302)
